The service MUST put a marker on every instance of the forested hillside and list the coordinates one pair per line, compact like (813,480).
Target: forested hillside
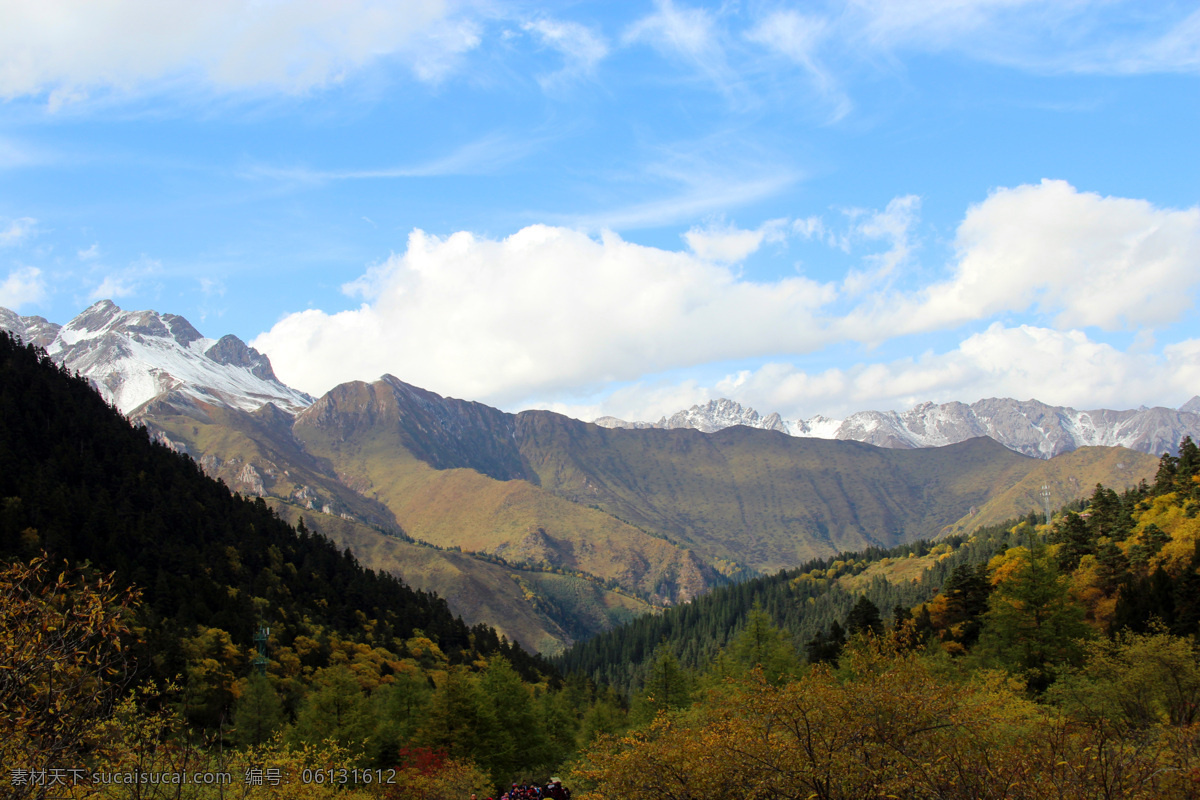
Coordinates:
(1045,660)
(125,568)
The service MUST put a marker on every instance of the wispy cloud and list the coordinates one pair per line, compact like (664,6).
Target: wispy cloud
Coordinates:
(798,38)
(17,230)
(479,157)
(701,196)
(582,48)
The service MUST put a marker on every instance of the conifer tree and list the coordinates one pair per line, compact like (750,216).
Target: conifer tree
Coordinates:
(336,709)
(864,617)
(666,685)
(1033,627)
(258,712)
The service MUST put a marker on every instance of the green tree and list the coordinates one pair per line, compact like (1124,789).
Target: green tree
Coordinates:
(1032,626)
(761,645)
(336,709)
(826,648)
(1074,541)
(523,743)
(864,617)
(459,720)
(1136,680)
(400,707)
(667,686)
(258,712)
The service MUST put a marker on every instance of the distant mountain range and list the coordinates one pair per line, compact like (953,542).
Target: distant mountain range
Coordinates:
(1030,427)
(549,528)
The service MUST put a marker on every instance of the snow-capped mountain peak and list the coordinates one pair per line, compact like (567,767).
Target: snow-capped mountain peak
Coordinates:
(133,357)
(1028,426)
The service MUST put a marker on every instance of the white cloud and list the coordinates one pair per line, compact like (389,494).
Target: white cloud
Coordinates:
(1088,260)
(484,155)
(89,253)
(124,282)
(699,195)
(690,35)
(113,286)
(581,48)
(893,225)
(68,47)
(550,312)
(797,37)
(689,32)
(1090,36)
(727,243)
(1056,367)
(543,310)
(17,230)
(23,285)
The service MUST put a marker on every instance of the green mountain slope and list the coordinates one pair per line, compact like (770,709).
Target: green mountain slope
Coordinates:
(79,482)
(664,515)
(1069,476)
(765,499)
(541,609)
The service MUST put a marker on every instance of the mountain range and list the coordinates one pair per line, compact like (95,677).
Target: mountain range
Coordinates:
(550,528)
(1030,427)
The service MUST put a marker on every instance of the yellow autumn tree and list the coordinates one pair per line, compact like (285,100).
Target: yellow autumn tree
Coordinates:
(62,660)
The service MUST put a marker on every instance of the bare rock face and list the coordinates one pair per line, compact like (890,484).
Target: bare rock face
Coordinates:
(232,351)
(1190,407)
(249,481)
(30,330)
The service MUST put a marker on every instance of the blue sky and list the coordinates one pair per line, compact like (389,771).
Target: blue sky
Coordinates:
(625,208)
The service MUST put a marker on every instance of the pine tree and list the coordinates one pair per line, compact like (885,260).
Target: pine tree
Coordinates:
(258,712)
(763,646)
(1033,627)
(666,684)
(864,617)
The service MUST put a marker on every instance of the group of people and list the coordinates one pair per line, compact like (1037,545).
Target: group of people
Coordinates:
(554,790)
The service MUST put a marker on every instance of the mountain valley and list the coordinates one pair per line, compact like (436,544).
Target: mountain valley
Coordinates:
(549,528)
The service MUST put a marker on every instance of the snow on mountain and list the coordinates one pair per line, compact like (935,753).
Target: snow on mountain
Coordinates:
(133,357)
(712,416)
(1028,427)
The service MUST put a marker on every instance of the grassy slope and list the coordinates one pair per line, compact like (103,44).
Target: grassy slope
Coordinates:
(514,519)
(265,441)
(765,499)
(1069,477)
(543,611)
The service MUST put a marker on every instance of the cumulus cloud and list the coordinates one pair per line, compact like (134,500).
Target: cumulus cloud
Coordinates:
(1057,367)
(23,285)
(67,48)
(543,310)
(1086,260)
(550,311)
(728,243)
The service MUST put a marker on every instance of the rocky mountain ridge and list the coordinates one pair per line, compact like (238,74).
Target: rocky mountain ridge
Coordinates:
(136,357)
(1029,427)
